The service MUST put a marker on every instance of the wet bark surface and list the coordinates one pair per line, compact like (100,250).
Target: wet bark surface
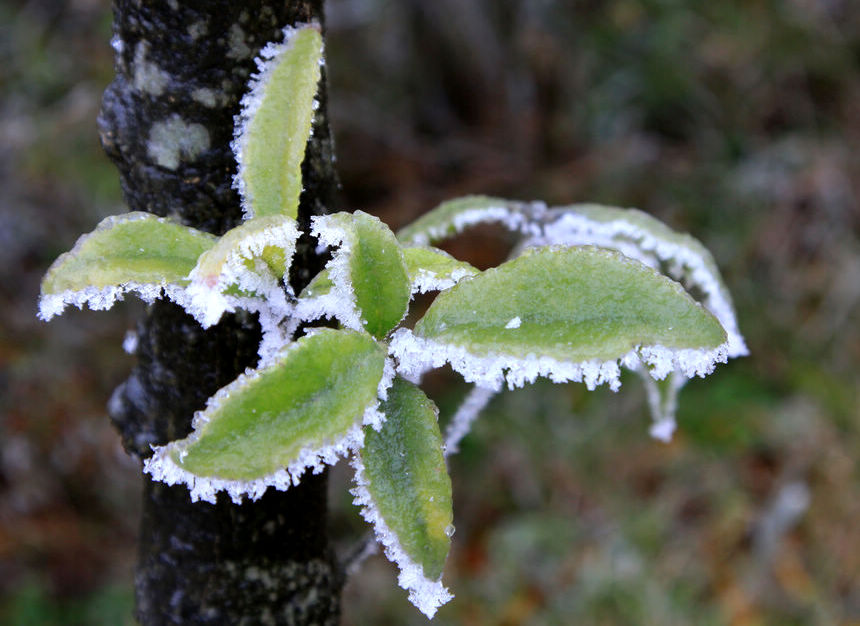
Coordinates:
(167,123)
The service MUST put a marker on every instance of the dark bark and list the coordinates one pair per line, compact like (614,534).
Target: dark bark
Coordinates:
(167,122)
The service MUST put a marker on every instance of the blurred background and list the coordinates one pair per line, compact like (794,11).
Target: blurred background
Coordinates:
(736,121)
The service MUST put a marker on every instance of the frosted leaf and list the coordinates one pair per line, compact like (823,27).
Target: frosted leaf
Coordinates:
(646,239)
(431,269)
(402,485)
(461,423)
(425,594)
(583,312)
(304,410)
(245,269)
(367,285)
(275,123)
(454,216)
(130,253)
(640,236)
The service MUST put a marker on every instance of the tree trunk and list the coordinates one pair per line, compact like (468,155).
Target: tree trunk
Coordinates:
(167,122)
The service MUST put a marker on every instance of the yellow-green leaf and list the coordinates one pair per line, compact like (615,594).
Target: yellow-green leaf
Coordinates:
(276,120)
(133,252)
(642,237)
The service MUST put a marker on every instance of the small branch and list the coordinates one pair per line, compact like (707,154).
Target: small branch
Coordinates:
(474,402)
(359,553)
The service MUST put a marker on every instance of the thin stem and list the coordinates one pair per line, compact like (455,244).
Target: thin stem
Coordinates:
(474,402)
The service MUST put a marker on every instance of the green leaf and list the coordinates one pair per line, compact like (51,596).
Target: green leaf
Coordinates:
(321,285)
(244,269)
(368,272)
(131,252)
(642,237)
(277,115)
(402,483)
(566,313)
(268,425)
(432,269)
(454,216)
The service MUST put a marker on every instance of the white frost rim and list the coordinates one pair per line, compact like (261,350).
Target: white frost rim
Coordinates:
(162,468)
(426,280)
(416,354)
(427,595)
(103,298)
(516,216)
(461,423)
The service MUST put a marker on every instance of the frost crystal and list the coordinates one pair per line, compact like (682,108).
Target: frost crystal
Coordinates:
(388,373)
(277,334)
(513,220)
(663,402)
(427,595)
(515,322)
(663,429)
(518,217)
(416,355)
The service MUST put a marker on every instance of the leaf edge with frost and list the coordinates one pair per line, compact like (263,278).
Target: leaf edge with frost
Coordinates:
(103,294)
(417,352)
(452,217)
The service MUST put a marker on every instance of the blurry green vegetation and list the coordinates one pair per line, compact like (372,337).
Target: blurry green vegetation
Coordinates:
(33,604)
(735,121)
(68,495)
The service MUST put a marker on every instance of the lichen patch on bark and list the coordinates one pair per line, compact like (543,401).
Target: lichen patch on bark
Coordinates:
(174,140)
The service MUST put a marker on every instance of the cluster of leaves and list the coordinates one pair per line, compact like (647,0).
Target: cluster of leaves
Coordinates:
(589,290)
